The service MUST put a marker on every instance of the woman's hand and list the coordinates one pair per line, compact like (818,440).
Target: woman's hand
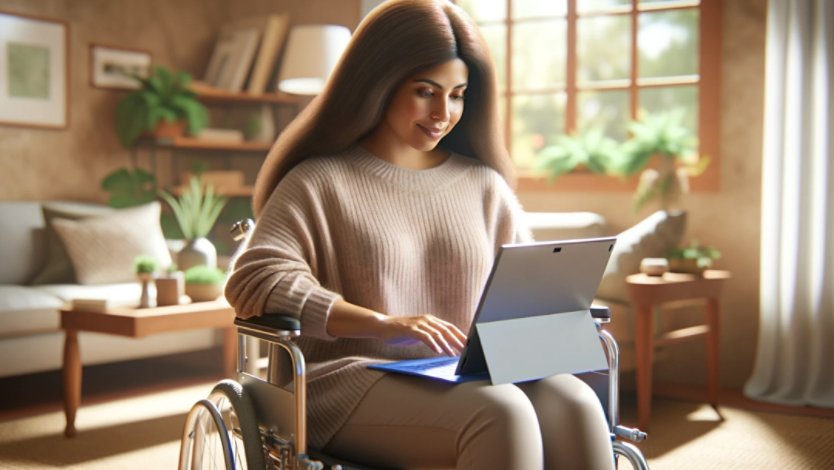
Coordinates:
(441,336)
(347,320)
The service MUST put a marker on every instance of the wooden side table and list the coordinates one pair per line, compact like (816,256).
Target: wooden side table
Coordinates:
(137,323)
(647,292)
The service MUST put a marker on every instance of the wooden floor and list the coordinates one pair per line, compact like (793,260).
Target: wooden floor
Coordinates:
(35,394)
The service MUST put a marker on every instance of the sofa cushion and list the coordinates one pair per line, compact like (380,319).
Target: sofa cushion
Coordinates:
(22,234)
(547,226)
(26,310)
(118,294)
(651,238)
(102,249)
(14,298)
(58,268)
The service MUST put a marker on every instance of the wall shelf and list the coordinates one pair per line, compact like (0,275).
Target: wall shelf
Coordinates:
(242,191)
(211,95)
(192,143)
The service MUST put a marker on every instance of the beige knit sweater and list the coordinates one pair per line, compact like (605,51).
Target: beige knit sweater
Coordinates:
(397,241)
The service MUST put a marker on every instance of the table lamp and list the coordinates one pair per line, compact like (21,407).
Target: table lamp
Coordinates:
(312,53)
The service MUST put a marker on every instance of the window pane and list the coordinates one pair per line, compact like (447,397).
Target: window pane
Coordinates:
(537,120)
(537,8)
(539,54)
(485,10)
(666,99)
(606,110)
(496,37)
(603,48)
(668,43)
(585,6)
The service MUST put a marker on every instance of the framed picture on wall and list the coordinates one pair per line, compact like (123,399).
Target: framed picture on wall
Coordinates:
(34,71)
(114,67)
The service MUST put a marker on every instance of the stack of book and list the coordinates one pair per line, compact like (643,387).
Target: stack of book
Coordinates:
(246,54)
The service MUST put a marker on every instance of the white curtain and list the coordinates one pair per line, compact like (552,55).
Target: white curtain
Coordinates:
(795,356)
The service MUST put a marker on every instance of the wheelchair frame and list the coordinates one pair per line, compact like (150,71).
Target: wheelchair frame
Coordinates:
(284,437)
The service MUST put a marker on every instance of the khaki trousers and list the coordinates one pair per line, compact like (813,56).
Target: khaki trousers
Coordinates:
(413,423)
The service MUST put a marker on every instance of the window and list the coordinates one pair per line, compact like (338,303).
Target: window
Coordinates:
(567,65)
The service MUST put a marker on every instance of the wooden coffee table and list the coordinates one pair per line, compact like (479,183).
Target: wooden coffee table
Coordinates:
(138,323)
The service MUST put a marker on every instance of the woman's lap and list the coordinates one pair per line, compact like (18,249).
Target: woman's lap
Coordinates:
(416,423)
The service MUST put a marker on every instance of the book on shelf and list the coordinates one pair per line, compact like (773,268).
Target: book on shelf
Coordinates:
(274,35)
(209,134)
(247,49)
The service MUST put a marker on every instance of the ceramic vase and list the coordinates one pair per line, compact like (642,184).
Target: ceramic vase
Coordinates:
(196,252)
(170,289)
(145,298)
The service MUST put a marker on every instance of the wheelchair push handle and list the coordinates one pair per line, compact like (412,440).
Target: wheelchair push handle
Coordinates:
(241,228)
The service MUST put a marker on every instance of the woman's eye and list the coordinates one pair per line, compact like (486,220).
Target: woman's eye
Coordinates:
(458,97)
(425,94)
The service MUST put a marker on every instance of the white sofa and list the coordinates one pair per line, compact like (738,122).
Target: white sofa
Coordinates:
(30,336)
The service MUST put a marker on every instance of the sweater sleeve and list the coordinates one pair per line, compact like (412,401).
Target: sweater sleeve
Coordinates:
(276,271)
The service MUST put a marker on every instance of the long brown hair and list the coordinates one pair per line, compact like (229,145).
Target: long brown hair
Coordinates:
(396,40)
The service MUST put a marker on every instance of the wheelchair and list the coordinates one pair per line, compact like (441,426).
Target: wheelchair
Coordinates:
(256,424)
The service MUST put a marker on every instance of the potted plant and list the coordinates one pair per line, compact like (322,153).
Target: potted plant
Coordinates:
(163,105)
(196,212)
(170,287)
(204,283)
(591,150)
(694,259)
(662,136)
(144,266)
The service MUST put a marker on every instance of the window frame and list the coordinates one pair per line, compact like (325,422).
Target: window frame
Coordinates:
(707,80)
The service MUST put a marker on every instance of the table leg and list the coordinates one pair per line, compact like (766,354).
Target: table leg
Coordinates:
(712,312)
(72,380)
(230,352)
(644,349)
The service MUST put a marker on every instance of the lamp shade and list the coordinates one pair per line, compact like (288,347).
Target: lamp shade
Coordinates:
(312,52)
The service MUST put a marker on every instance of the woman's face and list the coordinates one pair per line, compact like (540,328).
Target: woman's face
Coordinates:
(428,105)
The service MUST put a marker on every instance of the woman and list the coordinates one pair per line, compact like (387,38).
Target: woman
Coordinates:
(380,210)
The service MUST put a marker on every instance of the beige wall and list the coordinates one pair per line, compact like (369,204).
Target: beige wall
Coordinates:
(69,164)
(729,219)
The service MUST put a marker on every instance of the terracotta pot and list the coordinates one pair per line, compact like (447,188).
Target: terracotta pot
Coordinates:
(169,289)
(169,130)
(203,292)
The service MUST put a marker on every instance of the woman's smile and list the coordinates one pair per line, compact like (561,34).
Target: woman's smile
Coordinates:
(433,134)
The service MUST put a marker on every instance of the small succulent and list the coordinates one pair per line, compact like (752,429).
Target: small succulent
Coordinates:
(202,274)
(704,255)
(145,264)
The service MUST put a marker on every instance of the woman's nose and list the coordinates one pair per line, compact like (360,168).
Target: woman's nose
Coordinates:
(441,111)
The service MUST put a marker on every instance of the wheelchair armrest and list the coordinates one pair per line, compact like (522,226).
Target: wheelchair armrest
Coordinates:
(600,312)
(271,322)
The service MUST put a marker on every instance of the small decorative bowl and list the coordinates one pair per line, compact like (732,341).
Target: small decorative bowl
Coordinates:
(654,266)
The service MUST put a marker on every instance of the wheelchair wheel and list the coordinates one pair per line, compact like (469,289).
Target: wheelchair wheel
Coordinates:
(222,432)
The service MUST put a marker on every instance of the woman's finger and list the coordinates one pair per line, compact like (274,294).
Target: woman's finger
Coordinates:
(440,339)
(426,338)
(460,338)
(449,334)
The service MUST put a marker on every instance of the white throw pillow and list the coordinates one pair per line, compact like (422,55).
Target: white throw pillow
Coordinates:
(102,248)
(653,237)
